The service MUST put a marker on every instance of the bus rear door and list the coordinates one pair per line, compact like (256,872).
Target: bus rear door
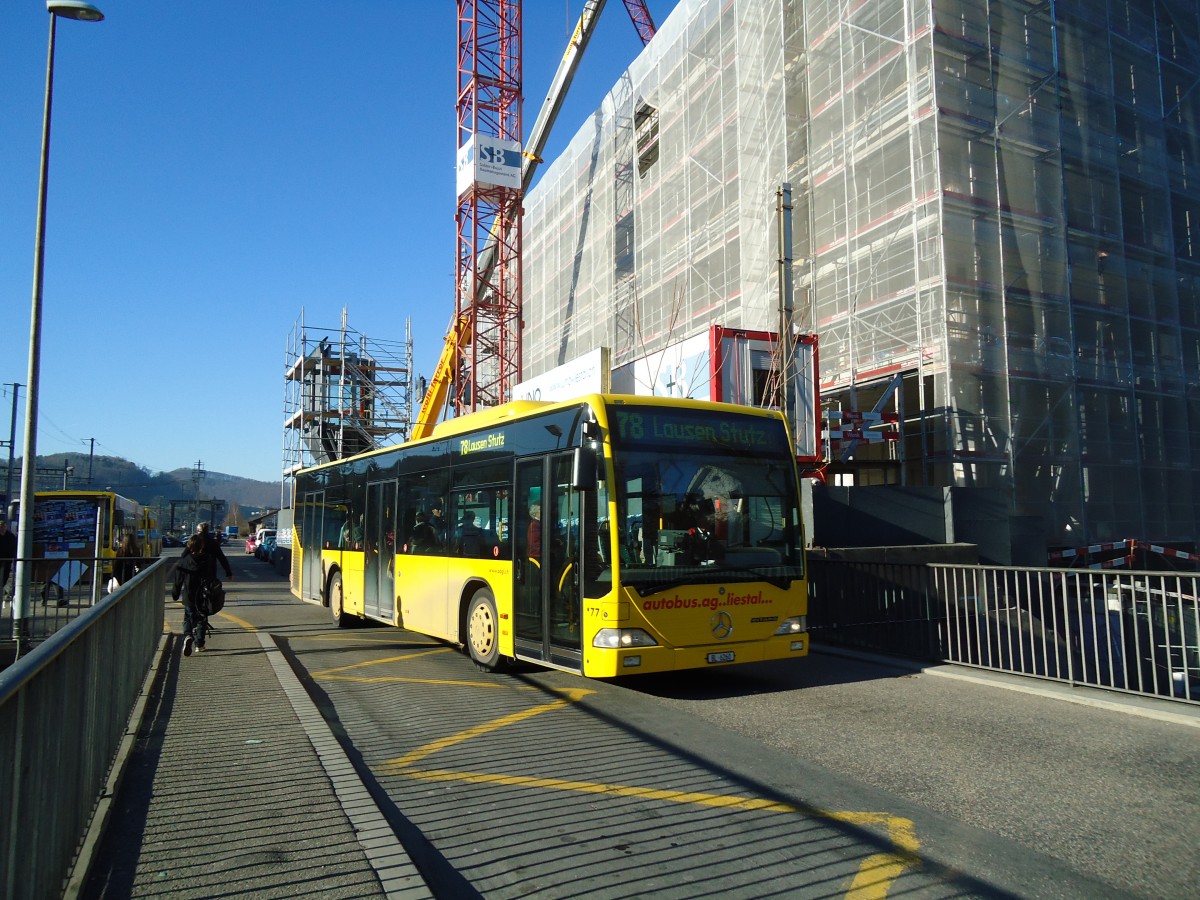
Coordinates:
(312,529)
(379,536)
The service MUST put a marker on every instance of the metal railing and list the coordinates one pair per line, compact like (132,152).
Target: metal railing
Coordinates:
(1131,631)
(887,607)
(1137,632)
(60,591)
(64,709)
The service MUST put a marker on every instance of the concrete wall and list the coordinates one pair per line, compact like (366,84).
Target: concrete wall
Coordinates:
(894,516)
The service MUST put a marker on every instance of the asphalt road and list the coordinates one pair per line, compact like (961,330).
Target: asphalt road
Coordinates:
(822,777)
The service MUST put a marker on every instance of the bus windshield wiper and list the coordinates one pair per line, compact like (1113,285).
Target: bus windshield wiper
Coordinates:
(780,581)
(675,576)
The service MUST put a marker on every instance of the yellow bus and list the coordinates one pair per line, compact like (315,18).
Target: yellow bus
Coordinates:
(76,535)
(605,536)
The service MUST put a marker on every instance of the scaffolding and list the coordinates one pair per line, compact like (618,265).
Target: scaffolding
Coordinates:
(997,232)
(658,219)
(344,393)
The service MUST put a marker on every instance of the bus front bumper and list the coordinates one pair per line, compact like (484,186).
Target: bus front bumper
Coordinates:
(665,659)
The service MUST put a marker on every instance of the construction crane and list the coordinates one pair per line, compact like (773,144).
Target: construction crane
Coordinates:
(440,384)
(488,112)
(641,19)
(482,358)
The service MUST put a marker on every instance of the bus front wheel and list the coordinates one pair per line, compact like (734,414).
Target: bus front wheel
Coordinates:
(483,631)
(337,602)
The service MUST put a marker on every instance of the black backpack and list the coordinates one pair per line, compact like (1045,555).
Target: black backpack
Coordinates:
(212,597)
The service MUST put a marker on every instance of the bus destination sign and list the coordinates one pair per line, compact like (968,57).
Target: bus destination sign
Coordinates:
(680,428)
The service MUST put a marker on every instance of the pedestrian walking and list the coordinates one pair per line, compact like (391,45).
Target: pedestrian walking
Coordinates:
(212,547)
(196,566)
(129,557)
(8,554)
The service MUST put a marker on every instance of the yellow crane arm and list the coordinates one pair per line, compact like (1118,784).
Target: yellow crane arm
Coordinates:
(443,377)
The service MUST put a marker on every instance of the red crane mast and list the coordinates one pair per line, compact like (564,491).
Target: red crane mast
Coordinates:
(489,205)
(641,19)
(484,343)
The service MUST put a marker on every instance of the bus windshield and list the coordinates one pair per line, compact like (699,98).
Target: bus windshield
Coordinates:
(701,499)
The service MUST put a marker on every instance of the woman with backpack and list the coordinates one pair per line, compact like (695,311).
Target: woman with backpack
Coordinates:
(196,568)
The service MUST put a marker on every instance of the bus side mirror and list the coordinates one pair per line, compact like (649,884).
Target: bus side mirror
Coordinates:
(14,511)
(583,469)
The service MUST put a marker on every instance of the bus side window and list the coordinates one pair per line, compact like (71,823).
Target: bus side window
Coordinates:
(500,534)
(424,537)
(468,536)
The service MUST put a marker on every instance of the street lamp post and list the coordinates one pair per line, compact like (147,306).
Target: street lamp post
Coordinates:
(84,12)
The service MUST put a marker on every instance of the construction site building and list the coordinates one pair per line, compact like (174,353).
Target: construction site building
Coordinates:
(996,237)
(344,393)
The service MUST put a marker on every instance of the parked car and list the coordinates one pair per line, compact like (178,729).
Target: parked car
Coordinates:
(261,548)
(266,546)
(251,541)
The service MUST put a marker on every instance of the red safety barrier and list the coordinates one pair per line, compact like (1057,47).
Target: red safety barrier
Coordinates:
(1078,554)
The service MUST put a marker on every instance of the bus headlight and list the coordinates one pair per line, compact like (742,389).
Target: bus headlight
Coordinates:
(618,638)
(794,625)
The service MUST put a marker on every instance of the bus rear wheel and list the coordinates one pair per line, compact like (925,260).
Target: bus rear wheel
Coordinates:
(483,631)
(337,602)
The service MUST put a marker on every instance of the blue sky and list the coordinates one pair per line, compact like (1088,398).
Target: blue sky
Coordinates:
(215,168)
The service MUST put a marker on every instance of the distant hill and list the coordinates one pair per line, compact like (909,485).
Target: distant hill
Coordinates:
(156,489)
(246,491)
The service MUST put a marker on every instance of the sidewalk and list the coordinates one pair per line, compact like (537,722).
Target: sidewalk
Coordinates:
(236,787)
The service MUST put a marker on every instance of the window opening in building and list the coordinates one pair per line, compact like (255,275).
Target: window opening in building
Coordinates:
(645,123)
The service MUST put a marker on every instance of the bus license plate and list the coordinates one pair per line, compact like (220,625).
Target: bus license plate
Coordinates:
(727,656)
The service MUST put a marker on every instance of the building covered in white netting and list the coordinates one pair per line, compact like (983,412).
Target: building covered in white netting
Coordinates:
(996,238)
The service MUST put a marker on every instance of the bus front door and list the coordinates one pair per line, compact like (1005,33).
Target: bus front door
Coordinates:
(546,564)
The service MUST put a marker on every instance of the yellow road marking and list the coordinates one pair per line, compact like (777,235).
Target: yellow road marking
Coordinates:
(574,695)
(400,679)
(877,872)
(241,623)
(168,625)
(697,798)
(362,639)
(875,875)
(331,673)
(408,759)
